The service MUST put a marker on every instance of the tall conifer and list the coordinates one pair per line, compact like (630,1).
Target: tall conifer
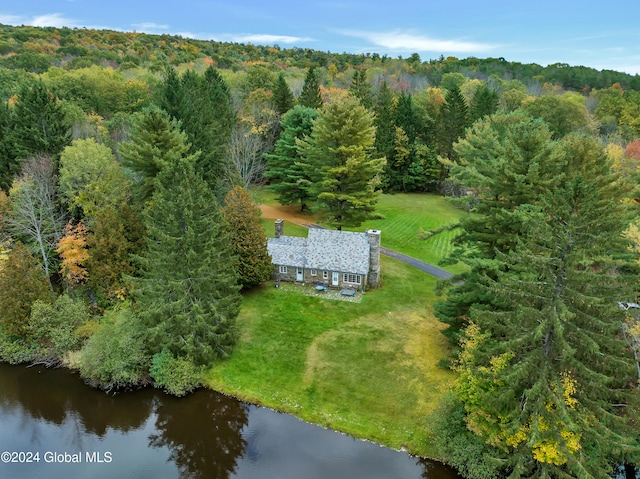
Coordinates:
(339,156)
(188,287)
(288,178)
(545,373)
(310,96)
(282,97)
(247,238)
(155,143)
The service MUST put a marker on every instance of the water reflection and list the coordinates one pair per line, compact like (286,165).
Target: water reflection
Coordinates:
(205,438)
(149,434)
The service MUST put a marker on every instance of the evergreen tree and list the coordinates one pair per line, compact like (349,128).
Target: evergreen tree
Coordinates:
(545,373)
(384,121)
(484,103)
(208,118)
(507,161)
(9,161)
(247,237)
(288,178)
(39,123)
(361,89)
(187,292)
(338,156)
(310,96)
(118,234)
(22,282)
(202,104)
(170,95)
(453,120)
(155,143)
(282,97)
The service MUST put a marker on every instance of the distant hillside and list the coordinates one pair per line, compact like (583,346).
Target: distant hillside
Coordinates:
(36,49)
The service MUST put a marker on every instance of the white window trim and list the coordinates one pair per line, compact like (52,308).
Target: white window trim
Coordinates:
(351,278)
(313,272)
(325,275)
(283,269)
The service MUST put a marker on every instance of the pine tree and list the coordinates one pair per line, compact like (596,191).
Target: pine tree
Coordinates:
(171,93)
(288,179)
(545,373)
(361,89)
(9,161)
(453,120)
(22,282)
(187,292)
(507,160)
(208,118)
(202,105)
(39,123)
(384,121)
(247,237)
(282,97)
(310,96)
(338,156)
(484,103)
(155,143)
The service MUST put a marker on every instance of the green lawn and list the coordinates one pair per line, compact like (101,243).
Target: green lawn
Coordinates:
(405,215)
(290,229)
(368,369)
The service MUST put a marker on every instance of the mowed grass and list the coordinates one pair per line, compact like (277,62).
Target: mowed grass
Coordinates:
(368,369)
(405,215)
(290,229)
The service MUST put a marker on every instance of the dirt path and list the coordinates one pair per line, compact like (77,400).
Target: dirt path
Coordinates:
(287,213)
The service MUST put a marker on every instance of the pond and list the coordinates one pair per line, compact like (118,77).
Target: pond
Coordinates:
(52,425)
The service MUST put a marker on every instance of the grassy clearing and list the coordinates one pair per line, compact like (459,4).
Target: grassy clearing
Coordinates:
(290,229)
(405,215)
(368,369)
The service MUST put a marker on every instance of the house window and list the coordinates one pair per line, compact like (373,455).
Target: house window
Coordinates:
(325,275)
(283,269)
(351,278)
(313,272)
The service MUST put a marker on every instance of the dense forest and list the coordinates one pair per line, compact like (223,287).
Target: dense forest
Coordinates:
(127,233)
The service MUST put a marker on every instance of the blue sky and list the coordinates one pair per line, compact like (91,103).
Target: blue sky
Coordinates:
(595,34)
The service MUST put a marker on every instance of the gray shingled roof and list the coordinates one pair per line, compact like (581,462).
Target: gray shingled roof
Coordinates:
(328,250)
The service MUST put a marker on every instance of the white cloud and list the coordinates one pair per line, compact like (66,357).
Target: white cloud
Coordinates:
(399,40)
(52,20)
(257,38)
(11,20)
(268,39)
(150,26)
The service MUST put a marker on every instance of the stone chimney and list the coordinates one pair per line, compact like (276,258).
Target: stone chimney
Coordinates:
(279,228)
(374,258)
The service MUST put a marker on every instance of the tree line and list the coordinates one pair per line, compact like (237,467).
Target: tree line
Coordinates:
(125,259)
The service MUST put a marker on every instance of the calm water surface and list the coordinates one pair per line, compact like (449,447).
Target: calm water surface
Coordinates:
(146,434)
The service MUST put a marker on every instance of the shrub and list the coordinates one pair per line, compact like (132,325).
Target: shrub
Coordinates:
(115,356)
(54,327)
(14,350)
(176,376)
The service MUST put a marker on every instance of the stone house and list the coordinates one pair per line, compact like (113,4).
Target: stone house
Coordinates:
(339,259)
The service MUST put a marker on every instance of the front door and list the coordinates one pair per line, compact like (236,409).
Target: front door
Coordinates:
(299,274)
(334,279)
